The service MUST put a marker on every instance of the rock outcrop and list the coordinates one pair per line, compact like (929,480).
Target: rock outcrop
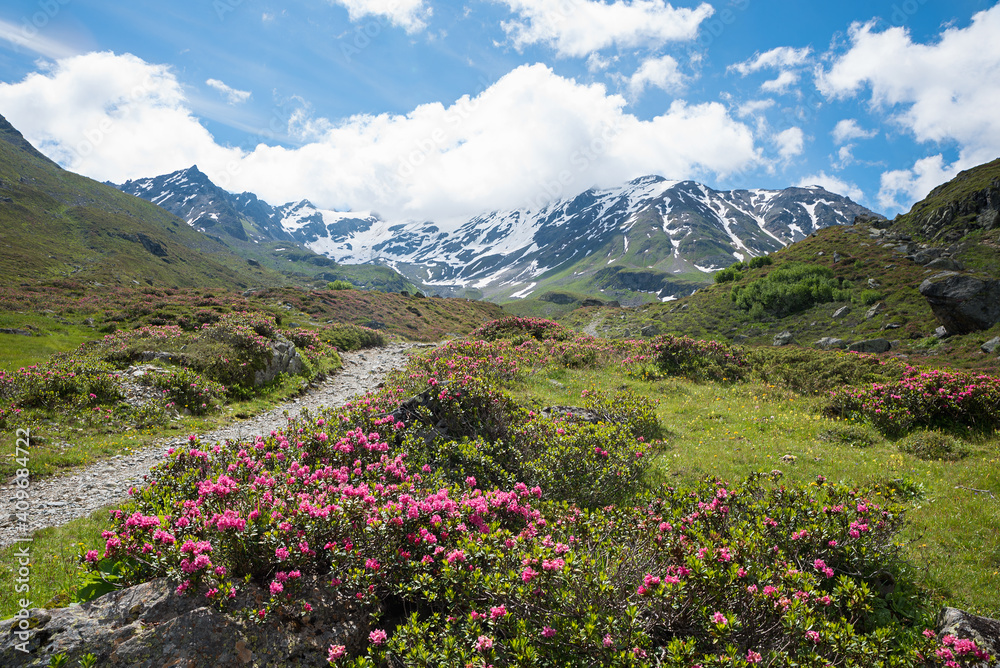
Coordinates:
(963,303)
(830,343)
(150,626)
(983,630)
(284,359)
(870,346)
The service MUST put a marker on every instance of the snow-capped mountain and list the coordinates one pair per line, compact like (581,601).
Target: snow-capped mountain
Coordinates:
(648,235)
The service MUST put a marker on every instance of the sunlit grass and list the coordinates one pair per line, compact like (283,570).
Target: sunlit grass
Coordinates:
(54,554)
(730,431)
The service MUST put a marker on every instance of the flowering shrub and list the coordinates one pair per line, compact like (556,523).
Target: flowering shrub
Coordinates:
(521,329)
(933,398)
(189,390)
(63,380)
(683,356)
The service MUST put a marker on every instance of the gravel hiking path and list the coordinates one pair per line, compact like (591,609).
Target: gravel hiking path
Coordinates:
(59,499)
(595,322)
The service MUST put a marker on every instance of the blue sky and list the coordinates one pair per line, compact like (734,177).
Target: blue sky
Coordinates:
(420,109)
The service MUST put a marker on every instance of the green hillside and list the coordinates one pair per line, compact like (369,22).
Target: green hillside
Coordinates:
(55,224)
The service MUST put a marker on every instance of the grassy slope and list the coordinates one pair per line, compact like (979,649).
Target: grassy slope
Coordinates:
(54,223)
(711,314)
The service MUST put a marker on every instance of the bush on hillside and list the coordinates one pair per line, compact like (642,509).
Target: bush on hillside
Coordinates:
(788,289)
(683,356)
(947,400)
(352,337)
(521,329)
(933,445)
(819,371)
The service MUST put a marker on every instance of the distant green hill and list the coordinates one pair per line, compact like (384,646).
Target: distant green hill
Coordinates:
(55,224)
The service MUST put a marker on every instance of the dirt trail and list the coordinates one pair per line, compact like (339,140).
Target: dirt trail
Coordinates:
(59,499)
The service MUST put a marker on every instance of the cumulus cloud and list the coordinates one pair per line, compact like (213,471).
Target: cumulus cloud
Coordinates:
(410,15)
(781,58)
(942,92)
(848,130)
(789,142)
(901,187)
(834,185)
(663,72)
(111,117)
(754,107)
(577,28)
(530,137)
(232,95)
(781,83)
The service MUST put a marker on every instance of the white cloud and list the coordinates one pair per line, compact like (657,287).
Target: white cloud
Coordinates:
(753,107)
(410,15)
(848,129)
(901,187)
(782,83)
(781,58)
(576,28)
(530,137)
(232,95)
(662,72)
(834,185)
(789,142)
(111,117)
(942,92)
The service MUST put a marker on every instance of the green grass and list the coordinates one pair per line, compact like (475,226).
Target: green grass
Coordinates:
(18,351)
(731,431)
(54,563)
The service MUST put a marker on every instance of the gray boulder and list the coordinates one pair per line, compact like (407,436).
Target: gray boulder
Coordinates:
(284,359)
(149,626)
(983,630)
(870,346)
(829,343)
(991,346)
(941,333)
(875,310)
(841,312)
(944,264)
(963,303)
(783,339)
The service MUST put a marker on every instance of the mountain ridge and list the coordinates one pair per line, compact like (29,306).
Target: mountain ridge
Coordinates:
(675,233)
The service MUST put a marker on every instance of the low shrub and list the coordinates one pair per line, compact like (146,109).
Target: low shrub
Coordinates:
(189,391)
(683,356)
(521,329)
(628,408)
(352,337)
(788,289)
(854,435)
(819,371)
(933,445)
(947,400)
